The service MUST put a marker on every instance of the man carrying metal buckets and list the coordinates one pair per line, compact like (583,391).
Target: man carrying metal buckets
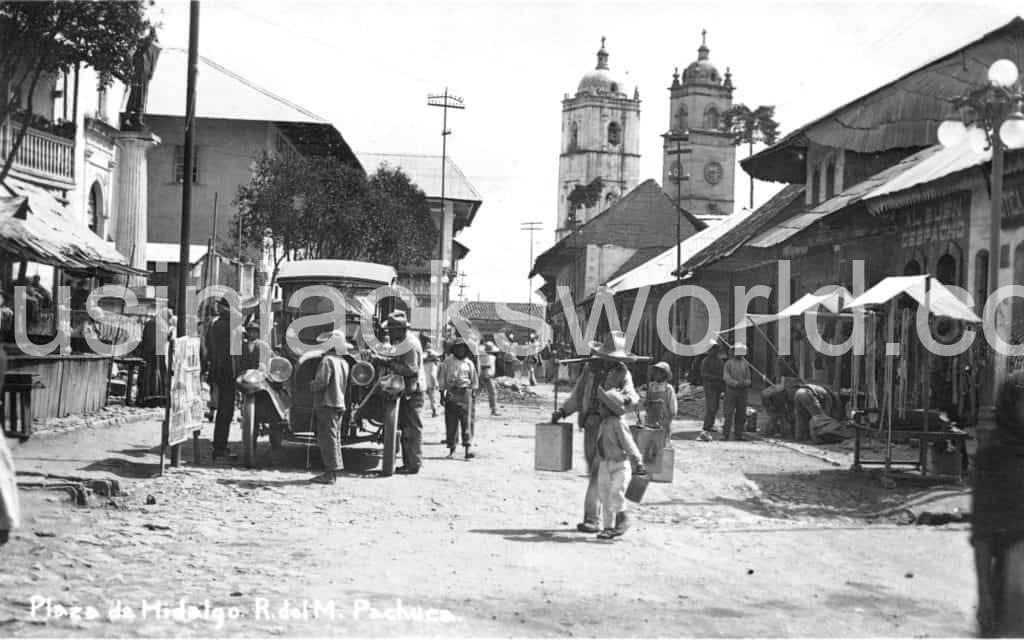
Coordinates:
(605,371)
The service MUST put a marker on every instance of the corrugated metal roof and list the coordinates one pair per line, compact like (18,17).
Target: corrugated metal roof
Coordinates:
(34,225)
(488,311)
(659,270)
(761,218)
(855,194)
(904,113)
(220,93)
(425,172)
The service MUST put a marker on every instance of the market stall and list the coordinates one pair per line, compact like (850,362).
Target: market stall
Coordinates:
(35,227)
(897,301)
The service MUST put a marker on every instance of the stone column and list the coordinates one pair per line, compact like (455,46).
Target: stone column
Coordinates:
(129,220)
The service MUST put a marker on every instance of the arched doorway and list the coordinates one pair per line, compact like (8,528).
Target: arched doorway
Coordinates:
(913,267)
(946,270)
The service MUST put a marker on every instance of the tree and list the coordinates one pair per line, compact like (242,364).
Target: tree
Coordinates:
(584,196)
(751,126)
(321,208)
(40,39)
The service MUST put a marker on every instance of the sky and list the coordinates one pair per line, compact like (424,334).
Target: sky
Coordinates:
(369,66)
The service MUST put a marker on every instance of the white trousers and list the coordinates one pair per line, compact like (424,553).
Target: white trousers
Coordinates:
(612,481)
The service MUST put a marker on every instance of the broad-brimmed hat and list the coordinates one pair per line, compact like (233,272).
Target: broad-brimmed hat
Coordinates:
(491,347)
(664,367)
(614,348)
(739,349)
(249,304)
(431,354)
(397,319)
(458,341)
(333,335)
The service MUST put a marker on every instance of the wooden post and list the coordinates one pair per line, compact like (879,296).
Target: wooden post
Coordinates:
(890,335)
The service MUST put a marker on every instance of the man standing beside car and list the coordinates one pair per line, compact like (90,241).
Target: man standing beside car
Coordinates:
(222,369)
(408,364)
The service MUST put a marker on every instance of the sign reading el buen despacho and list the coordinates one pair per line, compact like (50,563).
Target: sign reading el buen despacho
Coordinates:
(937,221)
(186,407)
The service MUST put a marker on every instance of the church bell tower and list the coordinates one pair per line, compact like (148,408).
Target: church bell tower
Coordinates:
(600,140)
(695,145)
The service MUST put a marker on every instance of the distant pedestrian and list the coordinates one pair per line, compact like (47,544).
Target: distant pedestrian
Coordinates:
(997,518)
(713,379)
(328,388)
(530,364)
(431,363)
(222,369)
(661,399)
(736,373)
(155,381)
(488,367)
(458,383)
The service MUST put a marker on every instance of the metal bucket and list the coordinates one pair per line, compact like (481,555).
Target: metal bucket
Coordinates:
(637,488)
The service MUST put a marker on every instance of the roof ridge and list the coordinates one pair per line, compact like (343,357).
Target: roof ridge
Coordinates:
(248,83)
(265,92)
(1017,21)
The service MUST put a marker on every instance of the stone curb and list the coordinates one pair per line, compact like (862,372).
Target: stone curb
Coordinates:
(149,415)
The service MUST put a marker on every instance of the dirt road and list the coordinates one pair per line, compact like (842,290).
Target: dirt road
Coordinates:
(751,540)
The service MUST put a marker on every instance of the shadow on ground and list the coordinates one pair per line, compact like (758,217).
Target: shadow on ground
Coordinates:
(831,493)
(542,535)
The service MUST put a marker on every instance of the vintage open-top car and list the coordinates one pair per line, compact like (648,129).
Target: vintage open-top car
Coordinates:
(277,399)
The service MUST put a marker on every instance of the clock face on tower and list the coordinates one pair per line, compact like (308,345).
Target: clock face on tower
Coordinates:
(713,173)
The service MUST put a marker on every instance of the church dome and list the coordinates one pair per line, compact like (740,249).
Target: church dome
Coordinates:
(701,70)
(602,80)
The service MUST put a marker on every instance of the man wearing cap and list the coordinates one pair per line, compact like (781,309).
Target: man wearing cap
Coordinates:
(712,379)
(736,373)
(328,388)
(488,364)
(458,382)
(222,369)
(606,371)
(408,364)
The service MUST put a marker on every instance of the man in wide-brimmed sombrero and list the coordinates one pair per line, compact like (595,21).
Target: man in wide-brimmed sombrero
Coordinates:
(603,393)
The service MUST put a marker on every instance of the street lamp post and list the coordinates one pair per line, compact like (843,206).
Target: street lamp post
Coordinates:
(990,117)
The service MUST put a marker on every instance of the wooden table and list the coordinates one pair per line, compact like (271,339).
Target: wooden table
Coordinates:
(924,438)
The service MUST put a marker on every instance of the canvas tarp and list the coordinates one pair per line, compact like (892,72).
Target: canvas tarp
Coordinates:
(941,301)
(830,301)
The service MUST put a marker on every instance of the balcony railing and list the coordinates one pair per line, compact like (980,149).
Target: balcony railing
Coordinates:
(41,155)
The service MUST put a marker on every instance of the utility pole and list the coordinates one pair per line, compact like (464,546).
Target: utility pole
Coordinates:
(678,176)
(186,186)
(531,226)
(445,101)
(462,284)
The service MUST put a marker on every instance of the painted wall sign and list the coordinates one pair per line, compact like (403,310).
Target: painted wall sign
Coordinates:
(934,222)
